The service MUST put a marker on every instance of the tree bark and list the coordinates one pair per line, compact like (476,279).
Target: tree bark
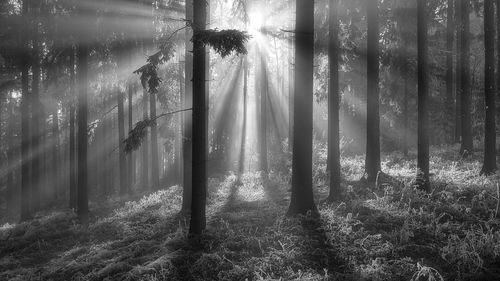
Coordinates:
(372,165)
(187,144)
(199,128)
(82,192)
(333,103)
(449,72)
(72,141)
(123,181)
(458,71)
(302,199)
(155,172)
(423,92)
(489,161)
(466,147)
(131,155)
(264,88)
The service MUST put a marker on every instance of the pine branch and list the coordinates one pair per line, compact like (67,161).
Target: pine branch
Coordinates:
(139,132)
(224,42)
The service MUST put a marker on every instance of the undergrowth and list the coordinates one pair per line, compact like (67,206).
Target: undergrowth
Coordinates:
(395,233)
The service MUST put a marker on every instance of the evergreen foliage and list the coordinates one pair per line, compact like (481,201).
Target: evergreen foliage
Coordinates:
(137,135)
(224,42)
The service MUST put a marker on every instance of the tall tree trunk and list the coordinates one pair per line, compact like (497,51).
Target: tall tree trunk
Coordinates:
(55,152)
(241,164)
(498,68)
(489,162)
(423,92)
(155,171)
(25,135)
(333,103)
(264,88)
(123,181)
(199,129)
(131,155)
(466,147)
(36,123)
(449,72)
(187,144)
(145,146)
(10,154)
(372,165)
(82,192)
(72,141)
(302,199)
(458,72)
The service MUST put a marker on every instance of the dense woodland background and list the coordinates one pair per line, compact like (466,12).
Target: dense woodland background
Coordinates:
(259,140)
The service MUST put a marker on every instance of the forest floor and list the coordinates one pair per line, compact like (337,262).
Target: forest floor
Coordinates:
(391,233)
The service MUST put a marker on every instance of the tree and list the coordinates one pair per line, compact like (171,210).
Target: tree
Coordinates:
(25,122)
(82,193)
(489,162)
(187,143)
(333,103)
(458,82)
(155,177)
(199,127)
(302,199)
(449,68)
(465,97)
(72,141)
(498,66)
(423,92)
(372,164)
(123,182)
(264,88)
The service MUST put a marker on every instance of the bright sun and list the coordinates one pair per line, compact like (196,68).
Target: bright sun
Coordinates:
(256,21)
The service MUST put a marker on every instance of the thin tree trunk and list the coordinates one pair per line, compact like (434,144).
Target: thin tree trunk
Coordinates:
(72,141)
(131,155)
(264,88)
(155,172)
(498,69)
(145,146)
(199,131)
(10,154)
(333,104)
(82,192)
(489,162)
(302,199)
(241,164)
(423,92)
(458,72)
(36,124)
(449,72)
(123,181)
(467,147)
(372,102)
(55,152)
(187,144)
(25,136)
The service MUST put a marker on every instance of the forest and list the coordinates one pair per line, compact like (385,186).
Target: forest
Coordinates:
(249,140)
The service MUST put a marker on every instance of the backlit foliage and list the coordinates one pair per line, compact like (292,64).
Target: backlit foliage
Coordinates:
(224,42)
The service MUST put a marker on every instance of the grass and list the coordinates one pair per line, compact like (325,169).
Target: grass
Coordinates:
(391,234)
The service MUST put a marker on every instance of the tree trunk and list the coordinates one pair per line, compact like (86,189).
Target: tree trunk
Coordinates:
(145,146)
(36,125)
(25,135)
(199,129)
(372,165)
(302,199)
(155,172)
(498,69)
(333,103)
(489,162)
(13,194)
(123,181)
(131,155)
(187,144)
(241,164)
(466,147)
(55,152)
(449,72)
(72,141)
(82,192)
(264,88)
(423,92)
(458,72)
